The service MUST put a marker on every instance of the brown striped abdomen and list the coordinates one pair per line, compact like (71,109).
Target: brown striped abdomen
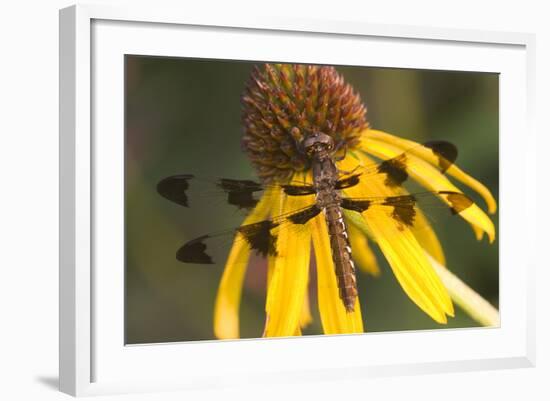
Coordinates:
(341,256)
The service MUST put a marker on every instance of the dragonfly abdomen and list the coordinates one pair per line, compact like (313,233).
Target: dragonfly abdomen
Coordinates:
(325,176)
(341,256)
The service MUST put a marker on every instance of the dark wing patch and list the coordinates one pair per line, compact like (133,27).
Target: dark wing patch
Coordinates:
(348,182)
(403,208)
(240,193)
(445,151)
(298,190)
(355,205)
(302,217)
(395,170)
(194,252)
(458,201)
(174,188)
(259,237)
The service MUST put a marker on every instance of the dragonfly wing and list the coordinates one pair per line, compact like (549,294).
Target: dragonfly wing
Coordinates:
(260,237)
(396,169)
(405,209)
(244,194)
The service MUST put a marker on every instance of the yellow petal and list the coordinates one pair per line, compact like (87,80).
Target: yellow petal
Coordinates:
(430,177)
(305,316)
(478,233)
(403,252)
(361,251)
(421,229)
(427,155)
(228,299)
(288,284)
(427,237)
(410,267)
(334,318)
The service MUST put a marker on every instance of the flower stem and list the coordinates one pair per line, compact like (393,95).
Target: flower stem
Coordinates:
(470,301)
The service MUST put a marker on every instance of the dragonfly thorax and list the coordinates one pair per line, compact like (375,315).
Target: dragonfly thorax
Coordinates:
(325,176)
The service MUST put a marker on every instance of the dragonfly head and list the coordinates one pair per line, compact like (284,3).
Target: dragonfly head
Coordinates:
(317,143)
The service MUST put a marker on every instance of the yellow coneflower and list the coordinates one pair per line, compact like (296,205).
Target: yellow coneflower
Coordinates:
(280,103)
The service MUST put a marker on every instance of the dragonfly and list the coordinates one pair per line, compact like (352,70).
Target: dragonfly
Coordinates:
(328,185)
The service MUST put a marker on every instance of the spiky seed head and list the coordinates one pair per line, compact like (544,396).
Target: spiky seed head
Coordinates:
(283,103)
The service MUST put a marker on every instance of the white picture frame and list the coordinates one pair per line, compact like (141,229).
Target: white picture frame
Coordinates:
(93,358)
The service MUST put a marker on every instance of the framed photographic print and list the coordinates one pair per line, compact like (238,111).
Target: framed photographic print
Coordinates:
(264,200)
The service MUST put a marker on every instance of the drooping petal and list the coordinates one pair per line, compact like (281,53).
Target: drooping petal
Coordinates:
(409,265)
(228,299)
(334,318)
(430,177)
(361,251)
(288,282)
(402,250)
(427,155)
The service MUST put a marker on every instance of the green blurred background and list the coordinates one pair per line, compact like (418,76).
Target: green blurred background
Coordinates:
(183,116)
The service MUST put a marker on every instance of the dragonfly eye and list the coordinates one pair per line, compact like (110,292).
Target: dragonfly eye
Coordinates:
(317,142)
